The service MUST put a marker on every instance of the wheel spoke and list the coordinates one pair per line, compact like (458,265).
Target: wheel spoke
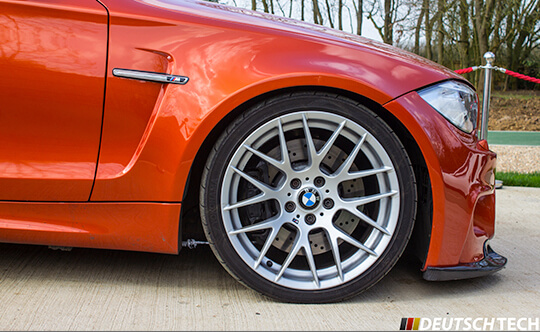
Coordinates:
(362,174)
(283,145)
(311,263)
(249,201)
(268,159)
(311,151)
(260,185)
(272,223)
(328,145)
(294,251)
(344,168)
(335,252)
(351,240)
(369,221)
(356,202)
(267,244)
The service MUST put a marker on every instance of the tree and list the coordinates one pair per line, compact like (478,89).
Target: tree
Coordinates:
(386,16)
(329,11)
(317,17)
(522,35)
(359,9)
(463,42)
(418,28)
(440,31)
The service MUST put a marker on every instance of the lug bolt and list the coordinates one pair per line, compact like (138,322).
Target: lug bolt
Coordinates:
(319,181)
(290,207)
(310,219)
(328,203)
(296,183)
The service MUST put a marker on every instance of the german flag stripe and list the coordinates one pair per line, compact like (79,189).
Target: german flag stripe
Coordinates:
(409,324)
(415,324)
(403,325)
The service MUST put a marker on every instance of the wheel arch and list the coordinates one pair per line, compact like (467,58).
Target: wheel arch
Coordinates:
(190,226)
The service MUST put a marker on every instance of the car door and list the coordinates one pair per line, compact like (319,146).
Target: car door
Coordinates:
(52,83)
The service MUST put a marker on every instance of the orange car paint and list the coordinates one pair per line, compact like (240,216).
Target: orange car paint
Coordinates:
(52,55)
(229,61)
(152,132)
(149,227)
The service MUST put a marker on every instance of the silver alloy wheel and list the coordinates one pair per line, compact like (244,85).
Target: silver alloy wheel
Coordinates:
(291,178)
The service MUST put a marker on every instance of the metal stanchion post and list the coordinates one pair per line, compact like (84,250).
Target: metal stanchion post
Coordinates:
(490,59)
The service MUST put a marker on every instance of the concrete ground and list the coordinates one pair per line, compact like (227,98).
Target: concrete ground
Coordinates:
(85,289)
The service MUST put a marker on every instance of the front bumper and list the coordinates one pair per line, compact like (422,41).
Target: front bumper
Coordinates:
(491,263)
(461,174)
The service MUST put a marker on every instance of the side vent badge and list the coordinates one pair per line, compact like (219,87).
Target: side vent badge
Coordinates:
(150,76)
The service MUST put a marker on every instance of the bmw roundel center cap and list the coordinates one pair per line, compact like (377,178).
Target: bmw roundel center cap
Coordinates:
(309,198)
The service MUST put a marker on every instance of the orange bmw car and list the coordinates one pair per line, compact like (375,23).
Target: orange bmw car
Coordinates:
(309,159)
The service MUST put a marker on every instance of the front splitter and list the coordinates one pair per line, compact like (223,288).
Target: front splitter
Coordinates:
(491,263)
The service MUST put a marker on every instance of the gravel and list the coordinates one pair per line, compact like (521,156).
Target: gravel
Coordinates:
(522,159)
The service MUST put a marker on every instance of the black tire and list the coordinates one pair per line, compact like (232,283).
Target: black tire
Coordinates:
(225,184)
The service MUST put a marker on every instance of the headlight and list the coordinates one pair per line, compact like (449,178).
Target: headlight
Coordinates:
(456,101)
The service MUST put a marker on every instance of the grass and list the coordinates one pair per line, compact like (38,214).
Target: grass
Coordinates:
(519,179)
(520,94)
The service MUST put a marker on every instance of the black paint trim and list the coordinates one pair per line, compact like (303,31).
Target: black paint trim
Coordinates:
(104,97)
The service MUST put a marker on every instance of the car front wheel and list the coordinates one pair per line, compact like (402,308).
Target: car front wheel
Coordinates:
(308,197)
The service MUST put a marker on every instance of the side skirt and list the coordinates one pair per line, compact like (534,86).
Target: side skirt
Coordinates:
(136,226)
